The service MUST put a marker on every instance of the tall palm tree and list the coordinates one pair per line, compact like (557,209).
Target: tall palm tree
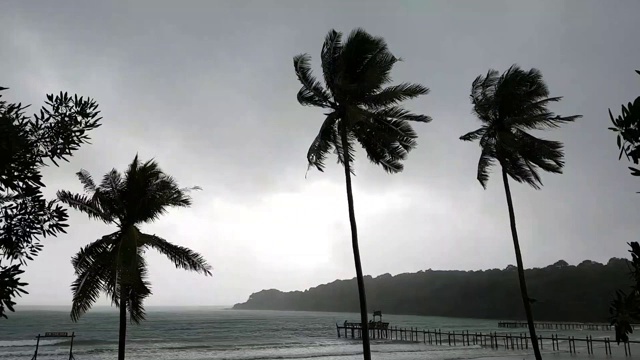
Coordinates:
(115,264)
(509,105)
(359,108)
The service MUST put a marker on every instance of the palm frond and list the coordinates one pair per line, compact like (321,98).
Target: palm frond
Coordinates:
(110,194)
(138,291)
(398,113)
(94,266)
(312,92)
(518,169)
(483,96)
(535,115)
(323,143)
(487,160)
(87,255)
(113,182)
(181,257)
(393,95)
(87,181)
(474,135)
(86,291)
(330,55)
(546,154)
(398,131)
(386,142)
(84,204)
(365,63)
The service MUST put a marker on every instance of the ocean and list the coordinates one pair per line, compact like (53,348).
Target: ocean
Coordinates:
(203,333)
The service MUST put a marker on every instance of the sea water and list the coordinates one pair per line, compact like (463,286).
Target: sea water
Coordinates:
(215,333)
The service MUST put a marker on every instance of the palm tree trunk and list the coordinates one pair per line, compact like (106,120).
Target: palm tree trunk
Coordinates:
(123,323)
(366,346)
(523,283)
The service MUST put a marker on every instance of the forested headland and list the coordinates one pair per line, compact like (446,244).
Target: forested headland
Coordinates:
(561,292)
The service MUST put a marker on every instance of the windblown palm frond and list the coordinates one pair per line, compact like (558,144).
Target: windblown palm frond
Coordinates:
(138,290)
(312,92)
(393,95)
(330,56)
(95,268)
(508,105)
(180,256)
(84,258)
(355,73)
(87,181)
(324,142)
(89,205)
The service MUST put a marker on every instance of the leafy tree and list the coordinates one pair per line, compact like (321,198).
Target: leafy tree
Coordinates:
(115,264)
(625,308)
(627,125)
(509,105)
(359,109)
(26,145)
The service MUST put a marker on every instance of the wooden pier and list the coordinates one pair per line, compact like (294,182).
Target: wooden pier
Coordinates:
(493,339)
(559,325)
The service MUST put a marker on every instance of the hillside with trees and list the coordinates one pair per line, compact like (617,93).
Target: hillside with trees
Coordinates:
(560,292)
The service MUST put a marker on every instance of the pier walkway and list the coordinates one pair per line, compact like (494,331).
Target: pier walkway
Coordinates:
(558,325)
(493,340)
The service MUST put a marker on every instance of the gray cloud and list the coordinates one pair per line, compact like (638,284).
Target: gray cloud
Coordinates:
(207,88)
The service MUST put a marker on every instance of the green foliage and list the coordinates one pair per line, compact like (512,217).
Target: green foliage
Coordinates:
(509,105)
(360,105)
(562,292)
(627,125)
(26,144)
(625,308)
(114,264)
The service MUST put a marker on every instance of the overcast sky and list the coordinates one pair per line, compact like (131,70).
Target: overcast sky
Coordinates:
(207,88)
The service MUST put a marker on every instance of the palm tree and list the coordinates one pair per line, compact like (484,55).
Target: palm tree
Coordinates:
(115,264)
(508,105)
(359,108)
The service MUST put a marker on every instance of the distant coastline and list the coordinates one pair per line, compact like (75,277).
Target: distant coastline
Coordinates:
(561,292)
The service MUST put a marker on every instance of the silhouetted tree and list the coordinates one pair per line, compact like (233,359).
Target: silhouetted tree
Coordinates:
(560,263)
(26,145)
(115,264)
(359,109)
(509,105)
(627,125)
(625,308)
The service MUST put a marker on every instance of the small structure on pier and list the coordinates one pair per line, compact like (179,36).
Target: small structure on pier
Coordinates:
(377,328)
(49,335)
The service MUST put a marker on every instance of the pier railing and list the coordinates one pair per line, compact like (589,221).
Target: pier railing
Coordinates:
(492,339)
(559,325)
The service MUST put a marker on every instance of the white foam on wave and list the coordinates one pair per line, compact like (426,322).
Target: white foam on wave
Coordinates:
(20,343)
